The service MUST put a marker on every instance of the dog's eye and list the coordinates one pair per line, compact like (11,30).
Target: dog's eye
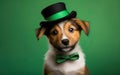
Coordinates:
(55,32)
(71,30)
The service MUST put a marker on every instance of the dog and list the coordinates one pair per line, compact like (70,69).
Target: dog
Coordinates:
(63,39)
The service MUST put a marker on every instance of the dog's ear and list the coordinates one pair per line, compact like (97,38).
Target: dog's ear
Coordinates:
(83,24)
(40,32)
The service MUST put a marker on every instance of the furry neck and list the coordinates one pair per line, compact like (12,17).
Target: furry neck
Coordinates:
(55,51)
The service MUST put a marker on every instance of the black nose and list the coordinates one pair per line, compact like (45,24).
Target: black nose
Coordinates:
(65,41)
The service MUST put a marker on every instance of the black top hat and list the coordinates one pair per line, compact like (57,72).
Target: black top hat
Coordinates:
(56,13)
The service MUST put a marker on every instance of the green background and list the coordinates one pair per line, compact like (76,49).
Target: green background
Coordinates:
(22,54)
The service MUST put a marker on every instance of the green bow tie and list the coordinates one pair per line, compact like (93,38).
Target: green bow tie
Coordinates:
(61,58)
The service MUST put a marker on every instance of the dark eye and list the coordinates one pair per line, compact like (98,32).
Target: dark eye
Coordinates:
(55,32)
(70,29)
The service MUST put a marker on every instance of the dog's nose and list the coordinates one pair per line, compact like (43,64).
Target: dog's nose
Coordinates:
(65,41)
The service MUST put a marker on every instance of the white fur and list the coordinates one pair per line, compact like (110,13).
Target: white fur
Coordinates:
(61,25)
(68,67)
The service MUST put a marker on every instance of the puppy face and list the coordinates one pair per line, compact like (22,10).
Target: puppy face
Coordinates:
(64,35)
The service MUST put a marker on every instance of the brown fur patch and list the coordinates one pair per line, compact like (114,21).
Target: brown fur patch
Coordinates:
(83,24)
(40,32)
(55,39)
(84,71)
(72,36)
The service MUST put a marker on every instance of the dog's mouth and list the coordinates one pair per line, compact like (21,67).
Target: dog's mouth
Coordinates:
(66,48)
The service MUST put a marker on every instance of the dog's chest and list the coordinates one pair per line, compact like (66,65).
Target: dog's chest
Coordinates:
(68,67)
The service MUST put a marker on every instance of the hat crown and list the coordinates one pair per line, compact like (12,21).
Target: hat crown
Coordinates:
(52,9)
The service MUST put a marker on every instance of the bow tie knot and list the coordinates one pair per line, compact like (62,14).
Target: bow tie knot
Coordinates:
(61,58)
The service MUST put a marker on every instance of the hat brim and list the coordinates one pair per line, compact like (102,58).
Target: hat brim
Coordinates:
(71,15)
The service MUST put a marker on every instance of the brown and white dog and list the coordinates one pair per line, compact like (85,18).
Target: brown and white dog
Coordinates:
(63,40)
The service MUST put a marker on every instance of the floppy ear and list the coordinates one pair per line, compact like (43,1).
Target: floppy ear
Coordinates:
(40,32)
(83,24)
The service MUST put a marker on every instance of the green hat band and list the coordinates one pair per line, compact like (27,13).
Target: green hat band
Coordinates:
(58,15)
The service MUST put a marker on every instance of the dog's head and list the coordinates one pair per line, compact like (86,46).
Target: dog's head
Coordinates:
(64,35)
